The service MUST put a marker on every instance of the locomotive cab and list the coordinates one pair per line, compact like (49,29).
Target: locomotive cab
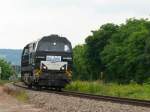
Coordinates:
(47,62)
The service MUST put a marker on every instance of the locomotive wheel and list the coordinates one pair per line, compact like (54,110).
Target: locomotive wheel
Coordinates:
(30,86)
(58,89)
(38,88)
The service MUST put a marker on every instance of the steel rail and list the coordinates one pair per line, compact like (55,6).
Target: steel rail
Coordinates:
(127,101)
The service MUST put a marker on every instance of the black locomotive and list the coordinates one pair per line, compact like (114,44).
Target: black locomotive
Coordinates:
(47,62)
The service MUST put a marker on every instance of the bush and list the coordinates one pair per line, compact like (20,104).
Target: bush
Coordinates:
(84,86)
(131,90)
(6,69)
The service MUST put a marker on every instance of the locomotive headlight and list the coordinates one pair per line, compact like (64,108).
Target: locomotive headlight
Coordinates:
(54,43)
(44,67)
(62,68)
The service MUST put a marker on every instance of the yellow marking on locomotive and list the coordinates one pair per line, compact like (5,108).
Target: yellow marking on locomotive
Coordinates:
(37,72)
(69,73)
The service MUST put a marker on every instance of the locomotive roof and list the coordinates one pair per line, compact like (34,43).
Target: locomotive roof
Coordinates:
(52,38)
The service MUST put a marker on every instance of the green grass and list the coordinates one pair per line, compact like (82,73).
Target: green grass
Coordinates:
(132,90)
(2,82)
(22,96)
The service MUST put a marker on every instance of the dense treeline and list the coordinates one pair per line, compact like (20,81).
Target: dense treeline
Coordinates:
(119,53)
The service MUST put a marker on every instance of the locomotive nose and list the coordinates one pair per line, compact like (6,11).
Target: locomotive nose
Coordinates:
(53,66)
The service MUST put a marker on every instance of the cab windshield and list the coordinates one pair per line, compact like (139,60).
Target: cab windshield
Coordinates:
(54,46)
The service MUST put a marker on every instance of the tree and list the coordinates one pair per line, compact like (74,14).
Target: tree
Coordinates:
(95,45)
(122,52)
(7,70)
(80,67)
(127,56)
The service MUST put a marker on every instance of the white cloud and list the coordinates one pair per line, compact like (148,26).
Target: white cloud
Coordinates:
(22,21)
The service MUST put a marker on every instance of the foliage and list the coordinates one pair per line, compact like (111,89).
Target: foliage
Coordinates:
(95,45)
(7,70)
(80,70)
(120,53)
(2,82)
(84,86)
(22,96)
(131,90)
(127,56)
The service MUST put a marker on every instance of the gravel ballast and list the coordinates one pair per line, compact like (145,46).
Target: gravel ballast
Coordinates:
(52,102)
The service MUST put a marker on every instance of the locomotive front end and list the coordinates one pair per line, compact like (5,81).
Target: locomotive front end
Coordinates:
(54,58)
(55,71)
(47,62)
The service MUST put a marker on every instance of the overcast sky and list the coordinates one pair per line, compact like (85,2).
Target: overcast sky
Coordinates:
(22,21)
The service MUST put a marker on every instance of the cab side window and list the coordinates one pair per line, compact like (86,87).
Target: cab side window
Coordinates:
(25,56)
(34,45)
(26,51)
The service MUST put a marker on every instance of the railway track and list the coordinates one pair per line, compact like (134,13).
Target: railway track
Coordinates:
(143,103)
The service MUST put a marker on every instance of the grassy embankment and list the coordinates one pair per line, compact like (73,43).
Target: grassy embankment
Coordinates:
(2,82)
(21,95)
(132,90)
